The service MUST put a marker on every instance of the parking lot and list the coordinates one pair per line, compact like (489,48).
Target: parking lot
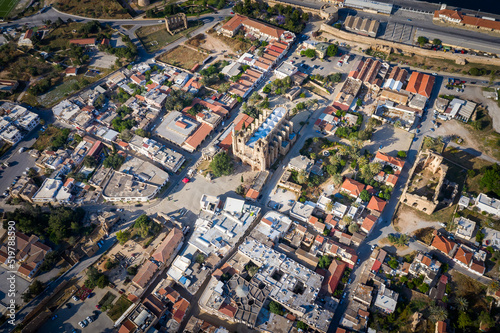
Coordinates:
(102,60)
(397,32)
(326,66)
(282,197)
(389,139)
(21,286)
(72,312)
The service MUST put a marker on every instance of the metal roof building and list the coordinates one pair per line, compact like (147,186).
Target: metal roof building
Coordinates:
(379,7)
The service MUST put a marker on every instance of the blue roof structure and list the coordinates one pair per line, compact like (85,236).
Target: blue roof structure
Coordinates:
(267,126)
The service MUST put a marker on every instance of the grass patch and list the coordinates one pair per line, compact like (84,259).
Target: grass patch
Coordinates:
(485,135)
(95,9)
(4,148)
(156,37)
(445,65)
(45,139)
(443,215)
(66,86)
(107,299)
(469,162)
(183,57)
(6,7)
(121,305)
(59,38)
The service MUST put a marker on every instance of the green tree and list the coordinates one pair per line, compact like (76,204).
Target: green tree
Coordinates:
(143,224)
(275,308)
(113,161)
(421,40)
(199,258)
(302,326)
(464,320)
(310,53)
(437,313)
(424,288)
(331,51)
(123,236)
(393,263)
(462,303)
(353,227)
(324,261)
(365,196)
(132,270)
(221,165)
(401,154)
(491,179)
(90,161)
(436,41)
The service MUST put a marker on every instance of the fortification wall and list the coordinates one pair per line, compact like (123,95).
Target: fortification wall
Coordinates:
(408,49)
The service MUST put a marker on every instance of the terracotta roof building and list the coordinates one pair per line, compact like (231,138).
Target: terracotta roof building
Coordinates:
(352,187)
(368,223)
(145,274)
(394,162)
(444,245)
(421,84)
(336,271)
(376,205)
(171,244)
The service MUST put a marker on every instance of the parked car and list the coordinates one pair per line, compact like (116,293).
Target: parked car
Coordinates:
(89,318)
(75,298)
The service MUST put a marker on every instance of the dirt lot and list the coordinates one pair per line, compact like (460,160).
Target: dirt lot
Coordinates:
(485,141)
(407,220)
(234,44)
(182,56)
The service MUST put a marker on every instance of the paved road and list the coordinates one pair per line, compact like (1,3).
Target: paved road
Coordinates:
(424,26)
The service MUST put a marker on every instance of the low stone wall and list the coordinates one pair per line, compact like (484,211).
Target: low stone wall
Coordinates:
(378,43)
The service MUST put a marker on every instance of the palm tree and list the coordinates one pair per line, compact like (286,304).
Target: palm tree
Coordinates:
(438,313)
(462,303)
(337,179)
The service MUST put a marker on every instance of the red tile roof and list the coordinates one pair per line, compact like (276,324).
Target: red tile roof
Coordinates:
(443,244)
(464,256)
(389,159)
(320,239)
(145,273)
(368,223)
(234,23)
(376,204)
(352,186)
(228,310)
(199,135)
(313,220)
(165,250)
(336,270)
(441,327)
(252,194)
(421,84)
(478,266)
(329,220)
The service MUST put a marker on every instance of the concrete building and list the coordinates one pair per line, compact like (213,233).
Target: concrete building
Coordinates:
(370,6)
(465,228)
(8,86)
(268,137)
(272,226)
(218,233)
(300,164)
(386,300)
(285,69)
(302,211)
(362,26)
(49,191)
(489,205)
(11,135)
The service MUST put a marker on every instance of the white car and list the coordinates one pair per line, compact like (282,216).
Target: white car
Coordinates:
(75,298)
(435,74)
(90,319)
(373,247)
